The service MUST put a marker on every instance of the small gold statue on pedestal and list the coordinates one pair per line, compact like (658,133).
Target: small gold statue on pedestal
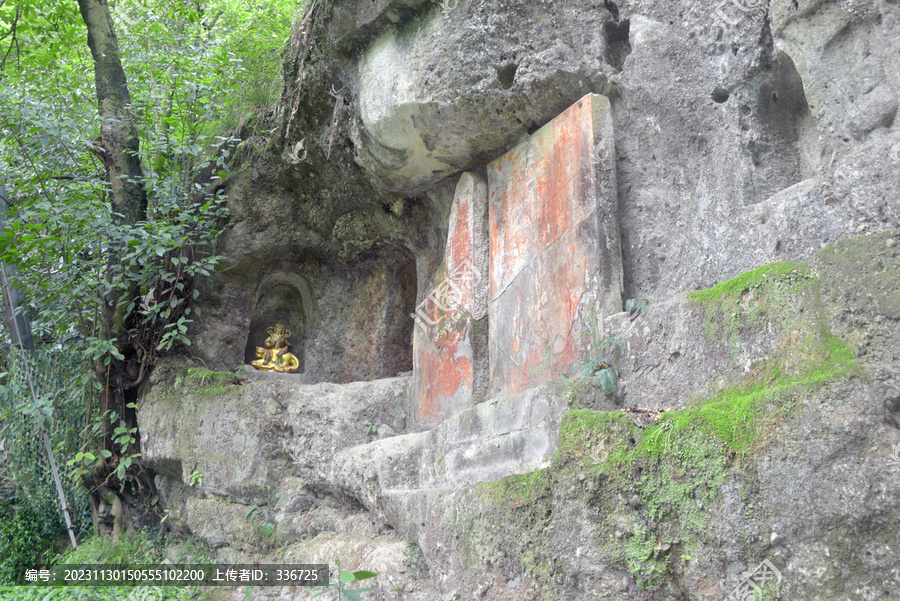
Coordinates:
(275,356)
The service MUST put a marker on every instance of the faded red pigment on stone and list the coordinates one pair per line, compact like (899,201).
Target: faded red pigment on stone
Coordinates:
(449,347)
(554,245)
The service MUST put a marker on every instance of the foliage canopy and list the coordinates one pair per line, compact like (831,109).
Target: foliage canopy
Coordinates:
(196,71)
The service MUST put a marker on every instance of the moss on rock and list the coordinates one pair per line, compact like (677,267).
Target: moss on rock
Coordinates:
(766,274)
(658,487)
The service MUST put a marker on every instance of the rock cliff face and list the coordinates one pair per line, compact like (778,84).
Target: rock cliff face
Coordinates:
(448,217)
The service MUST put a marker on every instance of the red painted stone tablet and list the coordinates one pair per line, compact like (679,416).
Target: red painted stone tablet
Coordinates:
(555,264)
(449,340)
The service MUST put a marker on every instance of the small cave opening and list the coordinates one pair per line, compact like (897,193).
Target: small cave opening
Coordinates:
(779,132)
(283,298)
(506,75)
(618,43)
(397,303)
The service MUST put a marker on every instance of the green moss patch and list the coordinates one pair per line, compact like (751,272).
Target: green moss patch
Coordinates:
(738,415)
(671,465)
(199,380)
(518,490)
(772,294)
(582,430)
(784,300)
(782,270)
(646,558)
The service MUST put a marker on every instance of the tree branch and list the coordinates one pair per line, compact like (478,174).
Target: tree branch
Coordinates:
(14,41)
(213,22)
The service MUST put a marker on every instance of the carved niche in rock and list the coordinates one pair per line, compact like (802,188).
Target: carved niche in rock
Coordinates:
(283,298)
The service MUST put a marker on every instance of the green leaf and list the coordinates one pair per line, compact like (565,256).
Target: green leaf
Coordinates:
(356,595)
(347,577)
(364,575)
(608,379)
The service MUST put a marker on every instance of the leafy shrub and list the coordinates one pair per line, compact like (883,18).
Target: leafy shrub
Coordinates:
(23,541)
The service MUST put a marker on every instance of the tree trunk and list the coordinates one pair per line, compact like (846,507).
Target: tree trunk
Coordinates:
(119,144)
(118,135)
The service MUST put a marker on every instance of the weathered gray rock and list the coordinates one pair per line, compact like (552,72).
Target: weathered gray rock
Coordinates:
(447,88)
(778,387)
(743,137)
(714,120)
(745,133)
(243,439)
(510,435)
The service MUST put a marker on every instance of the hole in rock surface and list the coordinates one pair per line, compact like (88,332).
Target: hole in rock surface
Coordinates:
(507,75)
(720,95)
(618,43)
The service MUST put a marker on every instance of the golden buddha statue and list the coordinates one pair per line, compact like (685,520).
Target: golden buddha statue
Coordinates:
(274,356)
